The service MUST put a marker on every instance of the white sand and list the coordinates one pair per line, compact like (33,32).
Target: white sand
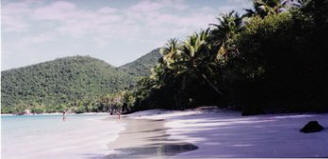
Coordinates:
(228,134)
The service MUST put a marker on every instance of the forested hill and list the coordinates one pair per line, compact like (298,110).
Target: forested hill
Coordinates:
(61,81)
(143,65)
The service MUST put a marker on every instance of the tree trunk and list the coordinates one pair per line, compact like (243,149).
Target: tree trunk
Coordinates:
(211,84)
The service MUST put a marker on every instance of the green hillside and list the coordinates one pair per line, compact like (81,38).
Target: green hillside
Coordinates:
(61,81)
(143,65)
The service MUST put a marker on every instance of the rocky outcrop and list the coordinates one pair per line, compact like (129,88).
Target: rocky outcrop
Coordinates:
(312,126)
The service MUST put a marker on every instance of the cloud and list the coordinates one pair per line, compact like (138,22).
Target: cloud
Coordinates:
(58,10)
(144,15)
(239,4)
(146,6)
(37,39)
(12,17)
(69,27)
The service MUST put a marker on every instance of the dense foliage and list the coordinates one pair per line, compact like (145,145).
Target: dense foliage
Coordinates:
(271,59)
(142,66)
(62,83)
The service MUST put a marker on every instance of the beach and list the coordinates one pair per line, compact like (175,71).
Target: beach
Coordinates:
(199,133)
(146,138)
(208,133)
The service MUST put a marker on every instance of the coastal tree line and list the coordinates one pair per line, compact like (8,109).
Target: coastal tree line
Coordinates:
(270,59)
(112,103)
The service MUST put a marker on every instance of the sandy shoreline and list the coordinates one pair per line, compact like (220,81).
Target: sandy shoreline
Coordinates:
(145,138)
(199,133)
(215,133)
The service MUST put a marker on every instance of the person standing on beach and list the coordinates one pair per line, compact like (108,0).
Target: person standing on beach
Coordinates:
(64,115)
(119,114)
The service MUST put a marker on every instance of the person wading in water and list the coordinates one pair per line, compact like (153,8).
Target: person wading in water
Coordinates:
(64,115)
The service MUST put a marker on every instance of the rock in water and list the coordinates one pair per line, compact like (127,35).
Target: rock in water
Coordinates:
(312,126)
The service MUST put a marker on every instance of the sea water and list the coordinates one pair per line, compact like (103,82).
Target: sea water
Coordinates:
(51,137)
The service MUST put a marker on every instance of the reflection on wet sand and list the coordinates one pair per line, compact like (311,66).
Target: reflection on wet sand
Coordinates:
(161,150)
(146,139)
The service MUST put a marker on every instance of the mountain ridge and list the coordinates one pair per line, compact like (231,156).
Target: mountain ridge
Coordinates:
(66,80)
(140,66)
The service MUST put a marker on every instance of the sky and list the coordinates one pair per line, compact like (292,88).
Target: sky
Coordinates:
(116,31)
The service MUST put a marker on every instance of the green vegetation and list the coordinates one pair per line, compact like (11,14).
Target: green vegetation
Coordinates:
(66,82)
(79,84)
(272,59)
(142,66)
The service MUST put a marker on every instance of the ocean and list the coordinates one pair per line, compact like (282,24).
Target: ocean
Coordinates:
(49,137)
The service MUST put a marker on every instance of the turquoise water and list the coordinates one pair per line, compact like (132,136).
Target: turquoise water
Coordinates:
(48,136)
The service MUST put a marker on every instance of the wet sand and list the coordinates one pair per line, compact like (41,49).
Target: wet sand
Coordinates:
(144,138)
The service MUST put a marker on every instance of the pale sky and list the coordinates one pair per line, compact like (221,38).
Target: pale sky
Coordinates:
(116,31)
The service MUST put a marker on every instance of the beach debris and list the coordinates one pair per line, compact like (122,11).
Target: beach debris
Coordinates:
(312,126)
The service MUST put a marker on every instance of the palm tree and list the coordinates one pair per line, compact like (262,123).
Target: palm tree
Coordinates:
(263,8)
(170,52)
(229,24)
(162,72)
(224,33)
(194,58)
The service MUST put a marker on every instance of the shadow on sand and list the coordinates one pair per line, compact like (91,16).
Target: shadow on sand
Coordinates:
(160,150)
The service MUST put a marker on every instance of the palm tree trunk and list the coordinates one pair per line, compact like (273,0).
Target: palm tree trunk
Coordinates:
(183,85)
(211,84)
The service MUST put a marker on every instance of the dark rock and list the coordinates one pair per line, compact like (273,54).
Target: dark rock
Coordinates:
(312,126)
